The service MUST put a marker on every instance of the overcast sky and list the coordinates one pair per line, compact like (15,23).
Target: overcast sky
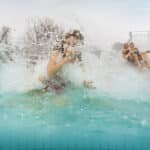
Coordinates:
(135,13)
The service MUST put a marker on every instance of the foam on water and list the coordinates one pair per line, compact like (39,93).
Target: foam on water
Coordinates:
(17,77)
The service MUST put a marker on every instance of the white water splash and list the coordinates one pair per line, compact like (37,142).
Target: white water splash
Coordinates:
(110,73)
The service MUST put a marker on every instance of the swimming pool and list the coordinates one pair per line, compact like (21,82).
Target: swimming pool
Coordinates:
(77,118)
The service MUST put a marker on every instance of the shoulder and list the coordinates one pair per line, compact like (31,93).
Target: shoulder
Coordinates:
(53,56)
(125,50)
(54,53)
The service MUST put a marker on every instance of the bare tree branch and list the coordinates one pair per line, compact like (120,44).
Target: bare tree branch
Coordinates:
(40,38)
(5,35)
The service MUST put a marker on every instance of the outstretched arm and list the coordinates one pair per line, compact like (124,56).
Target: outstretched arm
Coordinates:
(87,83)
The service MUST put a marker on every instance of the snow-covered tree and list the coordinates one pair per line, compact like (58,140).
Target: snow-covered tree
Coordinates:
(40,38)
(42,31)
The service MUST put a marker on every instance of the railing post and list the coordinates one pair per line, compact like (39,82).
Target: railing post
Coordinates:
(130,36)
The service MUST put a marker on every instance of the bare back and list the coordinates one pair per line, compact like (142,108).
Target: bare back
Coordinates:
(51,67)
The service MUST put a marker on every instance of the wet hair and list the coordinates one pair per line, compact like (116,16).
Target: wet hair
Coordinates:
(125,45)
(75,33)
(131,43)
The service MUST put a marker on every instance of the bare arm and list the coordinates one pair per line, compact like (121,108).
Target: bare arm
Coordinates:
(53,66)
(125,53)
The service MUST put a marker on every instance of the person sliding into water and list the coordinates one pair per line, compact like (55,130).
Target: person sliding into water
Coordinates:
(125,52)
(132,54)
(62,54)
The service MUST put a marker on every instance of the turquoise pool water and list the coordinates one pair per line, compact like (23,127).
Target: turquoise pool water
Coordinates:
(77,118)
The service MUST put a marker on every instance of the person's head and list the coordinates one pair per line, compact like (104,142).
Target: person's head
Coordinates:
(74,37)
(131,45)
(125,45)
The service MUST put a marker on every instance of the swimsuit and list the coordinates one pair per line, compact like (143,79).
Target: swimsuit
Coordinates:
(55,84)
(137,52)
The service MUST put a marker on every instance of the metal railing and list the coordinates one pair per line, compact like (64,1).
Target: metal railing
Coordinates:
(133,33)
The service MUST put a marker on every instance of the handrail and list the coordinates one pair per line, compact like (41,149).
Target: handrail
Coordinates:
(131,34)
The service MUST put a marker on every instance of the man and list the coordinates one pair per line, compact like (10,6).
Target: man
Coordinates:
(125,51)
(63,54)
(132,54)
(135,53)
